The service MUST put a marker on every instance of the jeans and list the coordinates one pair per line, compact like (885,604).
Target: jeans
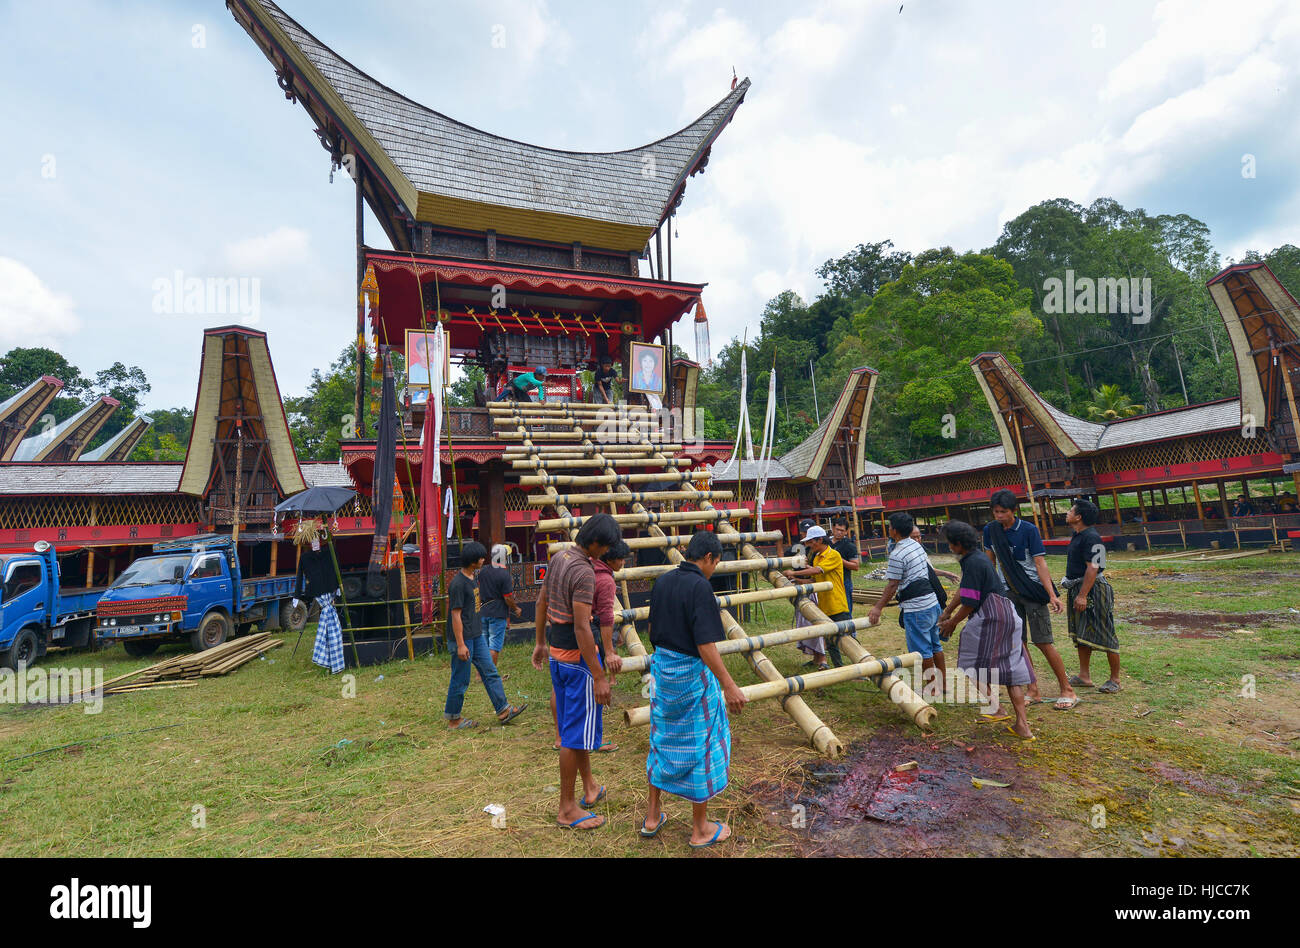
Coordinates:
(921,629)
(480,658)
(495,631)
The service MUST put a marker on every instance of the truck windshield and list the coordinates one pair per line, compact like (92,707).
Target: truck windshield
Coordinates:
(155,569)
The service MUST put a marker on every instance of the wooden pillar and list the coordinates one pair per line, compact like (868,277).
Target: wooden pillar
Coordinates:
(358,402)
(1141,506)
(1119,520)
(112,562)
(1200,508)
(90,567)
(275,557)
(492,503)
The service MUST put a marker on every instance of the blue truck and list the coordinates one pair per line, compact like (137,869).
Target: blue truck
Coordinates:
(36,612)
(194,587)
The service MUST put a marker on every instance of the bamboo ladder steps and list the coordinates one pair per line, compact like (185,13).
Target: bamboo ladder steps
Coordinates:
(678,539)
(783,637)
(726,600)
(616,494)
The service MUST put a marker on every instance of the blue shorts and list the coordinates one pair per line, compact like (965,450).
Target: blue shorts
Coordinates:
(922,631)
(580,718)
(495,630)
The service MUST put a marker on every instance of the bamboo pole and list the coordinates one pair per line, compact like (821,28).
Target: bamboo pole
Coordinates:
(870,668)
(747,565)
(783,637)
(596,460)
(654,497)
(678,539)
(647,517)
(1024,463)
(726,600)
(597,480)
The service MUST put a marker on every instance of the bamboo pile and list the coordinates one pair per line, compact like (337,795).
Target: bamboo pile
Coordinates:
(183,670)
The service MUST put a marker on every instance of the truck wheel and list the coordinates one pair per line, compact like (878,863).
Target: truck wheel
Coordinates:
(139,649)
(293,618)
(22,652)
(212,631)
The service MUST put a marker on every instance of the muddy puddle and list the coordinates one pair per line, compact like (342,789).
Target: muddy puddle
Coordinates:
(1200,625)
(862,806)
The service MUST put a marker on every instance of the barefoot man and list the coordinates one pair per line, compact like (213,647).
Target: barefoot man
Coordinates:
(1016,547)
(1092,600)
(690,736)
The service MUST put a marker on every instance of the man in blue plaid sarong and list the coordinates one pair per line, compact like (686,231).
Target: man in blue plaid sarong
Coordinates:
(691,693)
(328,648)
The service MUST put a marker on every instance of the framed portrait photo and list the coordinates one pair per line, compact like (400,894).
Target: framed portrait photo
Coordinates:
(647,375)
(419,356)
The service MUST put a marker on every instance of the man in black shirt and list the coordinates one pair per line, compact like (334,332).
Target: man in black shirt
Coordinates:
(496,592)
(467,646)
(691,692)
(848,551)
(1092,600)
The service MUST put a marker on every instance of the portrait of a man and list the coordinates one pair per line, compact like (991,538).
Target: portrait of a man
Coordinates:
(647,369)
(419,356)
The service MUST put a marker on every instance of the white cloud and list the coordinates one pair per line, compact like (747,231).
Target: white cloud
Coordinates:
(282,247)
(31,314)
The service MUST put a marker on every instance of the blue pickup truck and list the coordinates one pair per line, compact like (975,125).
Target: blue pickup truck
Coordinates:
(35,612)
(193,587)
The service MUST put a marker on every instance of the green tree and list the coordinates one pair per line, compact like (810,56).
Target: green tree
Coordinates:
(319,419)
(1109,403)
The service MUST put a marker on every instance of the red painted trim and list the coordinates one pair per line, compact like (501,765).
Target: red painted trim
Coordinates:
(1223,467)
(954,497)
(61,537)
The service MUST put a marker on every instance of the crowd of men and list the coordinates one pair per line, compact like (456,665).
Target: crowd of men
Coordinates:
(1005,597)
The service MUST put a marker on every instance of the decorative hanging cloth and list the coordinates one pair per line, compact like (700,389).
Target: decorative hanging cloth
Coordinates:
(381,492)
(743,429)
(327,651)
(703,354)
(765,450)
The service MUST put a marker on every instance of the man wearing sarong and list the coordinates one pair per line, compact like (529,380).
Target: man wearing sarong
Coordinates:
(580,686)
(1016,547)
(691,693)
(992,652)
(1092,600)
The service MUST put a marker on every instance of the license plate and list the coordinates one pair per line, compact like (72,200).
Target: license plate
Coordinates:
(129,629)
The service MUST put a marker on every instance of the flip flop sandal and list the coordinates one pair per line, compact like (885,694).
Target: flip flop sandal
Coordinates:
(716,834)
(464,725)
(1069,704)
(581,819)
(1012,732)
(1077,682)
(511,713)
(647,833)
(1110,688)
(995,718)
(607,748)
(600,795)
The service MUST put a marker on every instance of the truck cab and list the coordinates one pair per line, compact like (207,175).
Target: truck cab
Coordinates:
(193,587)
(35,612)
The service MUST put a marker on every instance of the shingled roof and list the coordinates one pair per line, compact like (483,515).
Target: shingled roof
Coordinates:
(449,173)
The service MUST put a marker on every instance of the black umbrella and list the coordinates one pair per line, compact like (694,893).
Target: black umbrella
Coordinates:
(317,500)
(324,500)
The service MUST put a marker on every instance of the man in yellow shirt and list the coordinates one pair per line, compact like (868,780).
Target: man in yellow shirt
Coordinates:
(827,566)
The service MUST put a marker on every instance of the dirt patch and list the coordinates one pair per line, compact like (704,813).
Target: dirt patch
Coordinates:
(861,806)
(1197,625)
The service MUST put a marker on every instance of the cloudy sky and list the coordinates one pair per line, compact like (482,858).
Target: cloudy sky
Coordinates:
(147,138)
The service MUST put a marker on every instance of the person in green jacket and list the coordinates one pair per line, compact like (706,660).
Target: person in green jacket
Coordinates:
(521,387)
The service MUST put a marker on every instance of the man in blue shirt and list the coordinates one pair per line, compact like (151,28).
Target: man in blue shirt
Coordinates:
(1016,547)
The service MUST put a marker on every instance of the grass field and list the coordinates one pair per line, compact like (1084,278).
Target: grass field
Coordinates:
(1186,760)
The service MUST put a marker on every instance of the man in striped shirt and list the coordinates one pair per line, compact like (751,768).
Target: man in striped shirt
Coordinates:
(908,574)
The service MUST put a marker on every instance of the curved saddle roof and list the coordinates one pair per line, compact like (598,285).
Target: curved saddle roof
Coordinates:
(448,173)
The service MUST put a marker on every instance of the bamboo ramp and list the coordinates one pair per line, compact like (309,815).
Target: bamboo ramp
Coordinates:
(535,445)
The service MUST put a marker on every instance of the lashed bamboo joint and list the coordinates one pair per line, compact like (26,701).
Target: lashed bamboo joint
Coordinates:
(872,668)
(767,639)
(592,480)
(726,600)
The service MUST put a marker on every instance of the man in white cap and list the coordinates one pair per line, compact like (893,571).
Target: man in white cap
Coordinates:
(827,566)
